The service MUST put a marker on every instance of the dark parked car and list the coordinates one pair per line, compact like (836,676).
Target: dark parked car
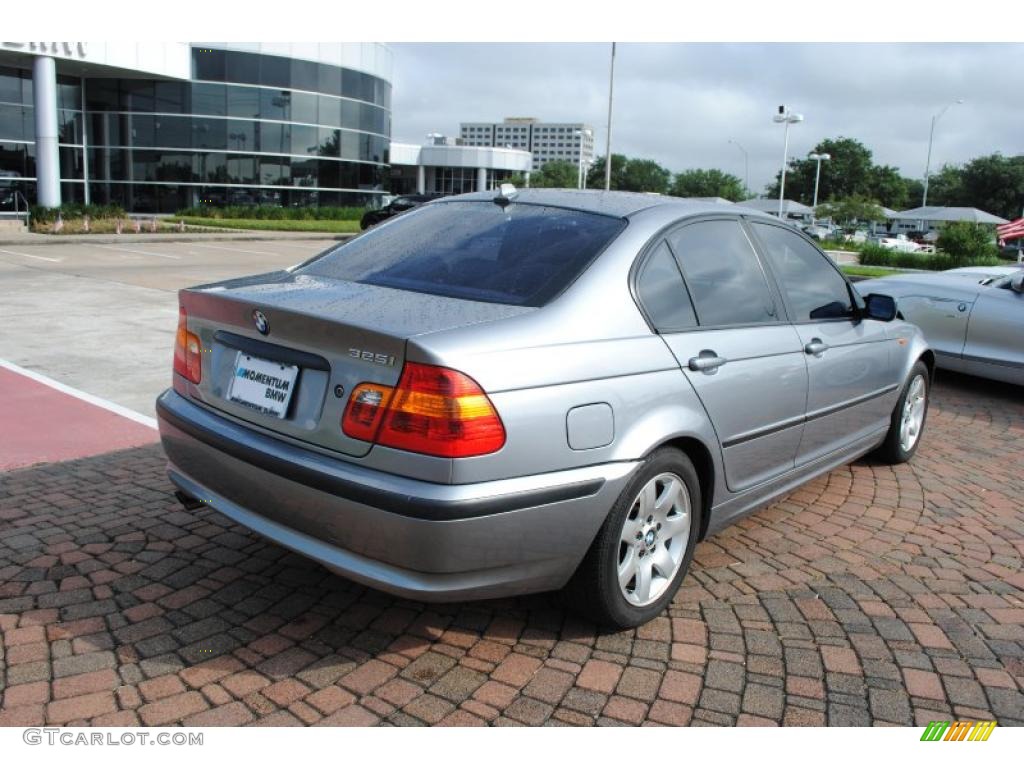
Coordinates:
(395,207)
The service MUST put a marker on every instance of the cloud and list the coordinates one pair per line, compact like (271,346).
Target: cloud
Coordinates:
(680,103)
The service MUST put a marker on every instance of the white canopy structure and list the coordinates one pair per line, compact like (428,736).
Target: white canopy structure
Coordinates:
(771,205)
(934,213)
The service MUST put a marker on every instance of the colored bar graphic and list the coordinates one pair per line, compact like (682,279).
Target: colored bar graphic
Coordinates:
(960,730)
(934,730)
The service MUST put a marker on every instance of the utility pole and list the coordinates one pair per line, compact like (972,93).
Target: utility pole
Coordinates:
(746,166)
(608,139)
(931,138)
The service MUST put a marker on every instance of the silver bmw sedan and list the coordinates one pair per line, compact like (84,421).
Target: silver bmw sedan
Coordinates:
(512,392)
(973,317)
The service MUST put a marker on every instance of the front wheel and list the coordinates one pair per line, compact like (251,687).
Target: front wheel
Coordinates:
(908,417)
(642,552)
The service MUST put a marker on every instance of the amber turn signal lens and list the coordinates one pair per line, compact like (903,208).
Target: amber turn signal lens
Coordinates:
(188,354)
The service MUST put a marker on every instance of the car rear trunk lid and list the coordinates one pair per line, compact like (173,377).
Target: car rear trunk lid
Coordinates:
(322,338)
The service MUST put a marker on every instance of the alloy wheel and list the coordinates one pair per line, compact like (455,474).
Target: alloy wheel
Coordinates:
(913,413)
(653,539)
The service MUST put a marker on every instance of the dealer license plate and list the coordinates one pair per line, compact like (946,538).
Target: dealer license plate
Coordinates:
(262,385)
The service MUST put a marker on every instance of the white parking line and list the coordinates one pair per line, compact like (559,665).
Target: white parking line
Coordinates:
(31,256)
(323,245)
(237,250)
(132,250)
(120,410)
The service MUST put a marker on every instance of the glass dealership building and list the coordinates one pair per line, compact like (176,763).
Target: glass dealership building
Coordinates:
(155,127)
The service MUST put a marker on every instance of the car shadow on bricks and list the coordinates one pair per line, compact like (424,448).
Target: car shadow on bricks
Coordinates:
(865,596)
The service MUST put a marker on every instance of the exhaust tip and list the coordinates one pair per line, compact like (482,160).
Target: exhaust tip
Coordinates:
(188,502)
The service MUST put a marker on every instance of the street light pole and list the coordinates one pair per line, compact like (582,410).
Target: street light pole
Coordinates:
(819,156)
(746,165)
(787,118)
(931,138)
(608,138)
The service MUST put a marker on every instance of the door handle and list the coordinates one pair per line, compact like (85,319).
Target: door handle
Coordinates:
(815,347)
(707,361)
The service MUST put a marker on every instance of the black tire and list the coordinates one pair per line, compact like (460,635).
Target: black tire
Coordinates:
(594,590)
(891,451)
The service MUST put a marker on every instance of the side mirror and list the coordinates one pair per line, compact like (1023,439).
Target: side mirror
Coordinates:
(1017,282)
(878,306)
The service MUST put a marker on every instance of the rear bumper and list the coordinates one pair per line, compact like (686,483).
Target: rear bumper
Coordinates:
(408,537)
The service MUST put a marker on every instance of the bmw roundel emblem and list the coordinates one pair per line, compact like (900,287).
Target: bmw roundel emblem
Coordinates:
(261,322)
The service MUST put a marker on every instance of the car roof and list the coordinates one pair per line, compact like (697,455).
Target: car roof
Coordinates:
(607,203)
(990,271)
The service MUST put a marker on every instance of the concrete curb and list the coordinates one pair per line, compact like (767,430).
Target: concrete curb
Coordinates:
(34,238)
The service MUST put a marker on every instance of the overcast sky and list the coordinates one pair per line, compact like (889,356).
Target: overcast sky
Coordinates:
(679,104)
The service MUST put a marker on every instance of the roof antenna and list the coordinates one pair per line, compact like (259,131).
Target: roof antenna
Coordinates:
(506,194)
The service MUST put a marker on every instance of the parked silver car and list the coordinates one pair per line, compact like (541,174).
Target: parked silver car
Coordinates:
(972,317)
(505,393)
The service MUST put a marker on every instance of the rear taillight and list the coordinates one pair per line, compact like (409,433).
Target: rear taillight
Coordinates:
(188,357)
(433,410)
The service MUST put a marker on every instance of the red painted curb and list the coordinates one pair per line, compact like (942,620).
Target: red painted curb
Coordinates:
(41,424)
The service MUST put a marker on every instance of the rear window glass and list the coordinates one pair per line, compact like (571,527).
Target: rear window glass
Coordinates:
(523,254)
(662,292)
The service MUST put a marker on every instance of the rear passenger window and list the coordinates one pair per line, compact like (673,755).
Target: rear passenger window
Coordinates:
(721,269)
(815,289)
(662,293)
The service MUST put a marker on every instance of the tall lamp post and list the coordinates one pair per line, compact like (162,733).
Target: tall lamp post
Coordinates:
(819,156)
(608,138)
(581,177)
(787,118)
(931,137)
(746,165)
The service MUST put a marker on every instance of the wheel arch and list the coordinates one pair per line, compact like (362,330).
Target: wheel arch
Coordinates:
(928,358)
(700,455)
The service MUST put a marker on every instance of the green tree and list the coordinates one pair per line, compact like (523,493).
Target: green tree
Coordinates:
(888,187)
(711,182)
(848,173)
(965,242)
(595,175)
(645,176)
(630,174)
(995,184)
(915,192)
(945,187)
(560,174)
(852,209)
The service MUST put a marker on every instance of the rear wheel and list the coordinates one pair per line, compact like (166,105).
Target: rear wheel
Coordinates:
(642,552)
(908,417)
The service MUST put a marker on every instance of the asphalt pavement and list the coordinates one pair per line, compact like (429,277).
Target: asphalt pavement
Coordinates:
(101,316)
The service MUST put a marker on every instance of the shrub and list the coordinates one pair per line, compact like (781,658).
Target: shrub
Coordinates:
(874,255)
(839,245)
(45,215)
(275,212)
(964,243)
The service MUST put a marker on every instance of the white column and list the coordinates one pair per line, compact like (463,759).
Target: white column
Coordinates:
(481,179)
(421,180)
(44,89)
(85,146)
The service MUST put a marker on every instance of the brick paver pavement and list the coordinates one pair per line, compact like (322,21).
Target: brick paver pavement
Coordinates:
(873,595)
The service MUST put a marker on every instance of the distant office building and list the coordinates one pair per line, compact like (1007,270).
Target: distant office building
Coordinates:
(570,142)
